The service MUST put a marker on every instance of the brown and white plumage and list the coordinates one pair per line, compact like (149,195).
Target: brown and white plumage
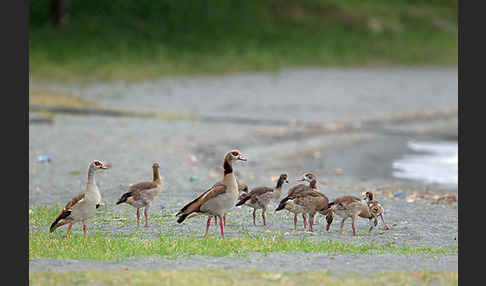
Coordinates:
(304,199)
(346,207)
(142,194)
(260,197)
(243,190)
(84,205)
(217,200)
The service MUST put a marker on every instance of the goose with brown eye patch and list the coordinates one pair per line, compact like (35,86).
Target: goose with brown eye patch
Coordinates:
(217,200)
(84,205)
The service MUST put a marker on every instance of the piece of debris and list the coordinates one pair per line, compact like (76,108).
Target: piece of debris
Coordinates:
(43,159)
(194,178)
(400,194)
(338,171)
(191,159)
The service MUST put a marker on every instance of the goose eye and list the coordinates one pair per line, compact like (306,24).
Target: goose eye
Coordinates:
(234,153)
(97,163)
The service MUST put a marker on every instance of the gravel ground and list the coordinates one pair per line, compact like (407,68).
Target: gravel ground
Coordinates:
(291,262)
(363,156)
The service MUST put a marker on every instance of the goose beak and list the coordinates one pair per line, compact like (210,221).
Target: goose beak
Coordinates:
(106,166)
(241,158)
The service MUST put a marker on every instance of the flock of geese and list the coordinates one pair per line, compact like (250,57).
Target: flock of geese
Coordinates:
(224,195)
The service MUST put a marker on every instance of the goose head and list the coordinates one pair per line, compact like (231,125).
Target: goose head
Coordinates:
(367,196)
(283,178)
(235,155)
(99,165)
(307,177)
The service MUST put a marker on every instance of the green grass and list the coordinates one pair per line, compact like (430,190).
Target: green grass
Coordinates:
(133,40)
(242,277)
(103,245)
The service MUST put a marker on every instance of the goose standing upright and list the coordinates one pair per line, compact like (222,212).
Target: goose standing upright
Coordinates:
(220,198)
(140,195)
(84,205)
(260,197)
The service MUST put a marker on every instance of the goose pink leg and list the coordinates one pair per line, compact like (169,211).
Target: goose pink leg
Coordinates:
(146,217)
(224,219)
(84,229)
(295,221)
(264,219)
(207,227)
(254,216)
(305,220)
(138,217)
(342,225)
(311,223)
(68,230)
(221,225)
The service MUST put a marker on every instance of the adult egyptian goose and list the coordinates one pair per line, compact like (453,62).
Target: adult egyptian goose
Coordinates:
(140,195)
(219,198)
(260,197)
(346,207)
(375,209)
(84,205)
(289,203)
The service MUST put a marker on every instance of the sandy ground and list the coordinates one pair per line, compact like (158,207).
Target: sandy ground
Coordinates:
(346,162)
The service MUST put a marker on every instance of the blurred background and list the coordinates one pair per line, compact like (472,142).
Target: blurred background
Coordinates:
(139,39)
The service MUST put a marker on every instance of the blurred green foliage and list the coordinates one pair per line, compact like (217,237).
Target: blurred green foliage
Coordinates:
(134,39)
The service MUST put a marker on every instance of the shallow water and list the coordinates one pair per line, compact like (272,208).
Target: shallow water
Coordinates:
(437,162)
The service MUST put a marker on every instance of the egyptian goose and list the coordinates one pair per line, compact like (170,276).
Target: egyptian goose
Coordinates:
(375,209)
(84,205)
(345,207)
(219,198)
(260,197)
(140,195)
(289,203)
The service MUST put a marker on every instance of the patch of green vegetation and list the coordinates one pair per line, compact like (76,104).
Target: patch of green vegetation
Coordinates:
(142,39)
(213,276)
(105,246)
